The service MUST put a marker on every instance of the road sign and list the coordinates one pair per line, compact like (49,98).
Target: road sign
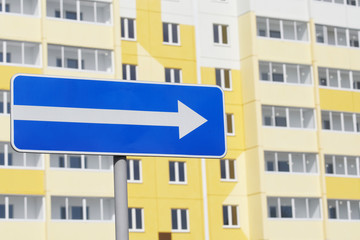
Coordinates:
(70,115)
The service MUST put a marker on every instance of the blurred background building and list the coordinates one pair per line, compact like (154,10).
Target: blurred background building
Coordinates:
(290,71)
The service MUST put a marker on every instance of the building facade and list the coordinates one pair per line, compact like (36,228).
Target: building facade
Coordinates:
(290,71)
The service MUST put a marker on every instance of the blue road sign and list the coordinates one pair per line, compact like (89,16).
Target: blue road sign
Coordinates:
(70,115)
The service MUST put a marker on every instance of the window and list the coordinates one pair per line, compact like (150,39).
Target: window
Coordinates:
(228,169)
(179,220)
(134,170)
(282,29)
(5,102)
(230,216)
(24,7)
(342,165)
(221,34)
(230,128)
(177,172)
(337,36)
(332,1)
(290,162)
(79,58)
(171,33)
(338,78)
(285,73)
(129,72)
(298,208)
(128,28)
(21,207)
(173,75)
(81,10)
(223,78)
(10,158)
(340,121)
(136,219)
(78,208)
(81,162)
(291,117)
(20,53)
(344,209)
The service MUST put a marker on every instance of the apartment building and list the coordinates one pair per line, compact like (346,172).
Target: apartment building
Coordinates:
(290,71)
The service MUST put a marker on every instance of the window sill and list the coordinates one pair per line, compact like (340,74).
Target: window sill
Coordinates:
(21,220)
(180,231)
(230,134)
(135,181)
(222,45)
(284,40)
(129,39)
(21,167)
(231,227)
(292,173)
(80,70)
(178,183)
(290,128)
(20,65)
(79,21)
(341,176)
(339,131)
(295,219)
(172,44)
(137,230)
(19,14)
(229,180)
(286,83)
(79,169)
(343,220)
(82,221)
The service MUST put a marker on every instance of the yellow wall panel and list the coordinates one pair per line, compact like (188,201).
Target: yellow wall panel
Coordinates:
(19,181)
(343,188)
(22,230)
(74,33)
(4,128)
(337,100)
(257,215)
(336,57)
(7,72)
(20,28)
(247,34)
(129,48)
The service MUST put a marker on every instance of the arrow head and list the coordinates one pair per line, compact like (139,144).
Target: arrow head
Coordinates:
(189,120)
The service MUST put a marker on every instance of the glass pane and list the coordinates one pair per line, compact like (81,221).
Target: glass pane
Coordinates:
(174,222)
(348,122)
(58,208)
(351,166)
(138,216)
(356,80)
(310,163)
(130,218)
(319,34)
(269,161)
(295,117)
(227,79)
(343,210)
(336,120)
(225,216)
(314,208)
(183,219)
(15,159)
(301,30)
(13,52)
(289,30)
(2,207)
(341,36)
(174,33)
(222,169)
(69,9)
(339,165)
(264,71)
(277,72)
(74,161)
(92,162)
(57,160)
(13,6)
(172,171)
(71,57)
(234,215)
(325,120)
(358,122)
(103,12)
(93,209)
(286,208)
(297,162)
(53,8)
(291,73)
(283,162)
(16,207)
(305,74)
(308,118)
(31,52)
(272,207)
(33,160)
(54,56)
(329,166)
(354,38)
(136,169)
(333,78)
(216,33)
(75,208)
(104,61)
(300,208)
(267,116)
(87,11)
(229,123)
(88,59)
(181,171)
(323,81)
(355,210)
(106,162)
(280,117)
(261,27)
(231,169)
(109,208)
(330,35)
(131,28)
(332,209)
(345,79)
(274,28)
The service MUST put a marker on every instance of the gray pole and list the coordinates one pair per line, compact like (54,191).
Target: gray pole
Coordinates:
(121,198)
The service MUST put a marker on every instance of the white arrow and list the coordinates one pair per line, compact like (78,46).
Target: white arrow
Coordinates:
(186,119)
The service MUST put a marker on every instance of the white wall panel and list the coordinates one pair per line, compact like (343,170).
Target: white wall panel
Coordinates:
(175,11)
(286,9)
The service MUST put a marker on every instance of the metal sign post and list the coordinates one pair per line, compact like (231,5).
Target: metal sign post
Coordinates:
(121,198)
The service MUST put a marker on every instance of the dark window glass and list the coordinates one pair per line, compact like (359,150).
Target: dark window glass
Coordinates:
(332,212)
(70,15)
(165,32)
(130,217)
(326,124)
(183,219)
(62,213)
(167,75)
(232,169)
(216,33)
(2,210)
(172,171)
(218,77)
(354,43)
(278,77)
(280,121)
(76,212)
(323,81)
(283,166)
(177,75)
(122,20)
(181,171)
(128,170)
(174,33)
(8,108)
(124,71)
(75,161)
(224,34)
(1,56)
(10,159)
(11,211)
(286,212)
(270,166)
(174,223)
(267,121)
(7,7)
(72,63)
(132,72)
(262,33)
(61,161)
(138,218)
(2,158)
(131,28)
(225,216)
(58,62)
(273,212)
(8,57)
(275,34)
(222,169)
(329,168)
(1,106)
(57,13)
(136,170)
(356,85)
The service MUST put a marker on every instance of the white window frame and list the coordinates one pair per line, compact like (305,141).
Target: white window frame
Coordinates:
(6,99)
(178,216)
(126,29)
(22,45)
(227,171)
(177,173)
(347,203)
(170,26)
(172,74)
(220,33)
(131,170)
(345,158)
(82,166)
(25,199)
(293,208)
(229,213)
(222,78)
(133,218)
(128,71)
(354,117)
(24,158)
(347,34)
(22,9)
(338,71)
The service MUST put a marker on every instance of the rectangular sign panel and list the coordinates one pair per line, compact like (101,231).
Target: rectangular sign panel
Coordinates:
(70,115)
